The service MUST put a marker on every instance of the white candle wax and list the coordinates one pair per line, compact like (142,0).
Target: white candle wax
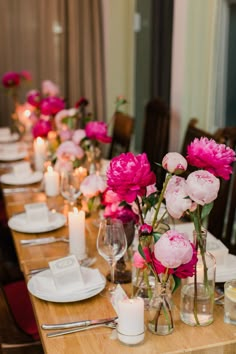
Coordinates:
(76,221)
(40,153)
(131,321)
(51,182)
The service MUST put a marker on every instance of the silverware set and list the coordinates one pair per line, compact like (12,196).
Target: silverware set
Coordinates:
(73,327)
(43,241)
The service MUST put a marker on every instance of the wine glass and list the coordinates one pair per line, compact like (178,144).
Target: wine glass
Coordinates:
(111,244)
(70,185)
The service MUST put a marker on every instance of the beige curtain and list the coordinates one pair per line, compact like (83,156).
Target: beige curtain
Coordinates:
(58,40)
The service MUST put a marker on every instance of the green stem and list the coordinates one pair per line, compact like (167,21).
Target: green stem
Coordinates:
(139,210)
(168,177)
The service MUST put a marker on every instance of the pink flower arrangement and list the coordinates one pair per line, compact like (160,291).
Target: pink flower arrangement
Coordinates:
(12,81)
(41,128)
(50,106)
(95,130)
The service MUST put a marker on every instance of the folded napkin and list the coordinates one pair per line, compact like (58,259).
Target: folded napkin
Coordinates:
(226,271)
(45,283)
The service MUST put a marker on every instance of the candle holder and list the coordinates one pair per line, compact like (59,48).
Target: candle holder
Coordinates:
(131,339)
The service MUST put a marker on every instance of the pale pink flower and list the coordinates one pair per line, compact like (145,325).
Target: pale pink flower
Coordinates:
(174,162)
(208,155)
(63,165)
(151,189)
(177,201)
(69,151)
(202,187)
(49,88)
(92,186)
(78,135)
(129,176)
(173,249)
(65,134)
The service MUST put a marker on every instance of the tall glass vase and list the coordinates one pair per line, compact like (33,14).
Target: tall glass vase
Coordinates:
(160,316)
(197,295)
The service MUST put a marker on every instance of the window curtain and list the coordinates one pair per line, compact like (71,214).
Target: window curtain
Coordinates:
(56,40)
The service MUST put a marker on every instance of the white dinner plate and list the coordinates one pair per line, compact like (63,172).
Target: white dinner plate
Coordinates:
(21,179)
(9,138)
(42,286)
(20,223)
(13,156)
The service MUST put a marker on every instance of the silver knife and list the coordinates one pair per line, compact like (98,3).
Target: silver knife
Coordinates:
(85,323)
(42,241)
(80,329)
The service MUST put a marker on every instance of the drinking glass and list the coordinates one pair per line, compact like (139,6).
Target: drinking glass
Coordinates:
(70,185)
(111,244)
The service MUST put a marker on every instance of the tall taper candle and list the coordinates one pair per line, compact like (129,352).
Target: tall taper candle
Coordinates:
(40,152)
(76,221)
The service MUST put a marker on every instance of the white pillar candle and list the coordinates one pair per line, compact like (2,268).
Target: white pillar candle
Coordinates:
(76,221)
(131,321)
(40,153)
(51,182)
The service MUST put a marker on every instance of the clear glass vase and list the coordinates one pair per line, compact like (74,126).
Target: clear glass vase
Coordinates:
(143,285)
(160,316)
(197,294)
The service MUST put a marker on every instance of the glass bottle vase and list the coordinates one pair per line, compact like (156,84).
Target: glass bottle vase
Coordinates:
(197,294)
(160,315)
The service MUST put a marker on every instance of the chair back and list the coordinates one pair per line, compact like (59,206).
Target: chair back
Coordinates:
(122,133)
(156,135)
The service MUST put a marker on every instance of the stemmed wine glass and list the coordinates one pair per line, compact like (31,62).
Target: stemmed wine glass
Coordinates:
(111,244)
(70,185)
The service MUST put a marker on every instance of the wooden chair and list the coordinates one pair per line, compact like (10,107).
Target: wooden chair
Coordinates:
(156,135)
(122,133)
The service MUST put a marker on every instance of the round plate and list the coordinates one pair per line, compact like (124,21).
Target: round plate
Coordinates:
(13,156)
(20,223)
(9,138)
(42,286)
(10,178)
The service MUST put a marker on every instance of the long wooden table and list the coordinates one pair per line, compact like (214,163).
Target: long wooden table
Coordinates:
(217,338)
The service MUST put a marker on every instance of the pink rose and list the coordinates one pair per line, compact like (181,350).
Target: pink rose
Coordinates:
(92,185)
(129,175)
(41,128)
(177,201)
(69,151)
(208,155)
(202,187)
(173,249)
(34,98)
(78,135)
(174,162)
(49,88)
(97,131)
(11,79)
(139,261)
(52,105)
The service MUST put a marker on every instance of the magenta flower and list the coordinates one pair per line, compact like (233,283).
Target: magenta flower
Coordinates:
(34,98)
(208,155)
(145,229)
(173,249)
(41,128)
(52,105)
(174,162)
(187,269)
(11,79)
(129,175)
(81,102)
(202,187)
(26,75)
(97,131)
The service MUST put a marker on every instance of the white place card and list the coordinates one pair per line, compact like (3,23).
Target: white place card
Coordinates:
(66,271)
(37,213)
(118,295)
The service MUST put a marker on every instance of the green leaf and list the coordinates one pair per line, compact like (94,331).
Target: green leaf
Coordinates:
(156,236)
(206,210)
(140,249)
(177,282)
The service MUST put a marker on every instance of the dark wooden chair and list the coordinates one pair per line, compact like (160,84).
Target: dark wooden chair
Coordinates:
(156,135)
(122,133)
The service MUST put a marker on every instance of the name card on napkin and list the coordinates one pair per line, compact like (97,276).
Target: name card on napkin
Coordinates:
(66,271)
(36,212)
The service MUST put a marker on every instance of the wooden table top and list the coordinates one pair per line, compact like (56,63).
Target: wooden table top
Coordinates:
(217,338)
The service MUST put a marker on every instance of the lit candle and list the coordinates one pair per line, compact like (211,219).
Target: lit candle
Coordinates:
(76,221)
(131,321)
(39,154)
(51,182)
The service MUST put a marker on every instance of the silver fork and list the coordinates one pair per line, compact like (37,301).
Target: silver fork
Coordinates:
(43,241)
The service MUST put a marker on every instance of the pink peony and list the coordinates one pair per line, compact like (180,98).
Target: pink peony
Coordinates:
(69,151)
(26,75)
(52,105)
(187,269)
(41,128)
(65,135)
(202,187)
(97,131)
(78,135)
(139,261)
(208,155)
(177,201)
(174,162)
(34,98)
(11,79)
(92,186)
(129,175)
(49,88)
(173,249)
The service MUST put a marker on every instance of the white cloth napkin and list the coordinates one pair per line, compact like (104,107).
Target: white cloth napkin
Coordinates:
(226,271)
